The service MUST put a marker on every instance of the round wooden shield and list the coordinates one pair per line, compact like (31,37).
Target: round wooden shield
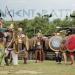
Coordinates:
(70,43)
(55,43)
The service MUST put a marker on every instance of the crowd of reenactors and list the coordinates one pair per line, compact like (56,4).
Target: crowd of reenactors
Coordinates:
(13,42)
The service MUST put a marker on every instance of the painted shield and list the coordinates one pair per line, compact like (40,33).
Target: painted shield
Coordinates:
(70,43)
(55,43)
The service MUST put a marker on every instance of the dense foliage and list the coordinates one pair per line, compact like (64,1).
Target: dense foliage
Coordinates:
(32,26)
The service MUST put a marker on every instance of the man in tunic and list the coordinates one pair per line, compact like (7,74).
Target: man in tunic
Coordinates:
(11,52)
(58,54)
(23,45)
(39,53)
(9,44)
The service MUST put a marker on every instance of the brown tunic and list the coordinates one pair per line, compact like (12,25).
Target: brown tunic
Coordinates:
(39,43)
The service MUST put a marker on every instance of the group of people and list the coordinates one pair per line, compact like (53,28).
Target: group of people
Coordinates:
(13,42)
(66,49)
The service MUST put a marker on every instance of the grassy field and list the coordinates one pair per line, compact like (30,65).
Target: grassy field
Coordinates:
(32,68)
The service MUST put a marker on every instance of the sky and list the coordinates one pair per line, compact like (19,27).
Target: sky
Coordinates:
(21,9)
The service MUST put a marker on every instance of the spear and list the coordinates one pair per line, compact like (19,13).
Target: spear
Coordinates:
(9,13)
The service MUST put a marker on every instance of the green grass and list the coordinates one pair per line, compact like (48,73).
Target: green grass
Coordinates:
(32,68)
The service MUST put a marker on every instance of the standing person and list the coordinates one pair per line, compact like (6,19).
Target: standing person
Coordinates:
(9,44)
(64,49)
(2,42)
(23,45)
(2,48)
(8,48)
(39,53)
(70,45)
(11,52)
(58,54)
